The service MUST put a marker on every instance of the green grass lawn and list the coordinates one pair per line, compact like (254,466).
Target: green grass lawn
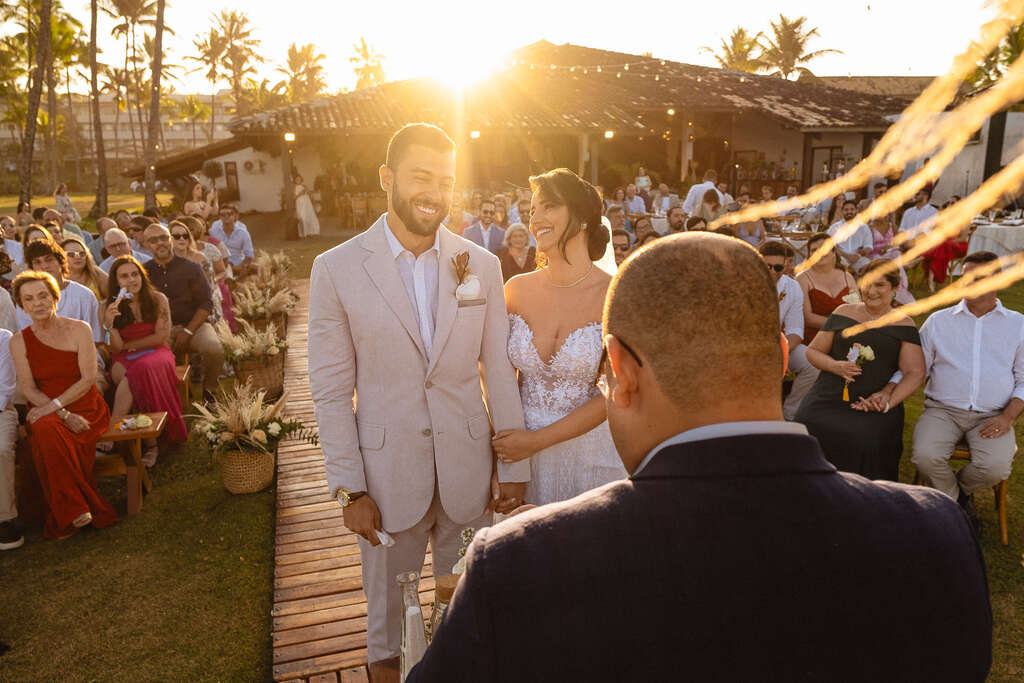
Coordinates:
(183,590)
(82,201)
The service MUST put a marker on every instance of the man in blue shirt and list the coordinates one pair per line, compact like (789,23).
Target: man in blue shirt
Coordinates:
(236,238)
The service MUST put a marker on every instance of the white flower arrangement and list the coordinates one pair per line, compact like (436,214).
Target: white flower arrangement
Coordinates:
(249,343)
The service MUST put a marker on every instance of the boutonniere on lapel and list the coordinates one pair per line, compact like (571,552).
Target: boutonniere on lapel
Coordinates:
(782,295)
(468,288)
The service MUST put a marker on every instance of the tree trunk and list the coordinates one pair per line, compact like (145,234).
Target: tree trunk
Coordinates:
(72,126)
(213,114)
(138,93)
(154,108)
(34,95)
(99,206)
(51,108)
(127,97)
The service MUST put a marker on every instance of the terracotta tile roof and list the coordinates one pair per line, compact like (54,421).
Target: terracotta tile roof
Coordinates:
(904,87)
(575,97)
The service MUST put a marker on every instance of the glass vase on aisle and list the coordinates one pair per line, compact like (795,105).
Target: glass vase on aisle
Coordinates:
(444,588)
(414,637)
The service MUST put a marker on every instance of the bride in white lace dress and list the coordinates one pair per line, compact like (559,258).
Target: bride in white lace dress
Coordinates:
(555,343)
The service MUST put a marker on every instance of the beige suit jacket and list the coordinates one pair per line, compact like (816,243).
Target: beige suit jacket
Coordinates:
(415,415)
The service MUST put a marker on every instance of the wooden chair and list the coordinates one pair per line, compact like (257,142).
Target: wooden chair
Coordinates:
(128,463)
(963,452)
(184,375)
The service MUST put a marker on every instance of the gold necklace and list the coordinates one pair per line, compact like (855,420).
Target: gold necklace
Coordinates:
(571,284)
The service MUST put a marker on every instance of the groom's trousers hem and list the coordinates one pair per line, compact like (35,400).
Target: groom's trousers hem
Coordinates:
(381,565)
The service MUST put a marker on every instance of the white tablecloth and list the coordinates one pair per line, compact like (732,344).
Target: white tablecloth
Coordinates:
(999,239)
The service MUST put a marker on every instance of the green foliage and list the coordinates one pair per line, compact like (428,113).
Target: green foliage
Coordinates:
(786,50)
(369,66)
(303,72)
(738,52)
(996,63)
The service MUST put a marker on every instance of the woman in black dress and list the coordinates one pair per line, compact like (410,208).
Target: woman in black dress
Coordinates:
(853,409)
(517,256)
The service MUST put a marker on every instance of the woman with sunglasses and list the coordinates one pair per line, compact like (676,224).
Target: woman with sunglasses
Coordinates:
(82,269)
(184,245)
(555,344)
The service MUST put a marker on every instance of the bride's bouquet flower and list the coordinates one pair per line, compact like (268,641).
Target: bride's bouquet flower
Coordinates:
(852,298)
(859,354)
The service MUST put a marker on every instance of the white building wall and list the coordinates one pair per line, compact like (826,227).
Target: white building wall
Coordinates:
(260,178)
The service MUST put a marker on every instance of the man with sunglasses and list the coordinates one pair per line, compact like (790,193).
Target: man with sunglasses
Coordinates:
(735,551)
(485,232)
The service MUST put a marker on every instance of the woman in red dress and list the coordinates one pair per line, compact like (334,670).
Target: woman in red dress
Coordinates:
(55,360)
(824,285)
(138,319)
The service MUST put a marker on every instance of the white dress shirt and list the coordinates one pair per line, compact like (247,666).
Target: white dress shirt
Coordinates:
(724,429)
(858,240)
(914,217)
(696,195)
(636,204)
(15,251)
(974,363)
(8,314)
(419,275)
(485,232)
(76,302)
(7,379)
(791,306)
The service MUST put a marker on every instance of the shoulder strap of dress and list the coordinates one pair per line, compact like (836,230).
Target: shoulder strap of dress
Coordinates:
(808,271)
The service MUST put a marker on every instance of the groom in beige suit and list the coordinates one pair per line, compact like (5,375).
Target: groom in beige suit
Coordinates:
(397,351)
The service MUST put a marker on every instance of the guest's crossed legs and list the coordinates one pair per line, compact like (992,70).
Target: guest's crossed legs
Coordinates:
(205,343)
(936,434)
(381,565)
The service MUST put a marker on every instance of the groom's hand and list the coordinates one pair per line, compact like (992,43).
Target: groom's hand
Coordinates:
(362,517)
(512,496)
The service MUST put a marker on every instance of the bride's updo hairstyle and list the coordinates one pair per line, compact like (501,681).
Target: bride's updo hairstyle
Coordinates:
(562,187)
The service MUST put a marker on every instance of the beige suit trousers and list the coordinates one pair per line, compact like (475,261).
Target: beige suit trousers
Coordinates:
(936,434)
(381,565)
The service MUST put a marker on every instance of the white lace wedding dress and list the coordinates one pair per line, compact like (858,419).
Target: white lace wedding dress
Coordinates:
(552,390)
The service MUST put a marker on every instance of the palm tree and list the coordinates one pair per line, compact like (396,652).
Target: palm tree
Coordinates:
(369,65)
(99,206)
(259,96)
(240,54)
(131,14)
(34,95)
(992,68)
(786,50)
(69,49)
(195,110)
(154,107)
(210,51)
(303,72)
(116,81)
(738,53)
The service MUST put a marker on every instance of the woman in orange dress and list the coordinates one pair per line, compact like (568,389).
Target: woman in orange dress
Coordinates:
(55,361)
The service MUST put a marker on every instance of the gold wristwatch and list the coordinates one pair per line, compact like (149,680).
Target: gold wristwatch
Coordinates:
(346,497)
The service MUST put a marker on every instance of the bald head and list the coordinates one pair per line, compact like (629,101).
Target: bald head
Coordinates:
(702,311)
(104,224)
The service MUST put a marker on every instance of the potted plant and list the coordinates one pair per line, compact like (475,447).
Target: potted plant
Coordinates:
(244,431)
(255,355)
(264,302)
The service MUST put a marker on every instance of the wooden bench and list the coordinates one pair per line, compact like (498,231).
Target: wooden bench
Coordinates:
(184,375)
(128,463)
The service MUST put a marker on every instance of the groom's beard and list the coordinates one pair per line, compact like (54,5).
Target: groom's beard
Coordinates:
(413,221)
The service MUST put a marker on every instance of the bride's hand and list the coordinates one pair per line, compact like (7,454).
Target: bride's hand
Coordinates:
(513,445)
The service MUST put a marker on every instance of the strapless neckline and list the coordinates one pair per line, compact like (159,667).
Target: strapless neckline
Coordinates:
(565,344)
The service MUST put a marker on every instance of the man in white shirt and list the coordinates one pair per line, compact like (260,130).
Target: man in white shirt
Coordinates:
(484,232)
(723,190)
(662,200)
(12,246)
(974,357)
(117,244)
(10,534)
(635,205)
(235,236)
(696,193)
(920,212)
(855,248)
(76,301)
(791,317)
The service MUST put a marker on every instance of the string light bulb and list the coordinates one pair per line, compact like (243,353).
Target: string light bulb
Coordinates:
(671,112)
(475,134)
(626,67)
(609,134)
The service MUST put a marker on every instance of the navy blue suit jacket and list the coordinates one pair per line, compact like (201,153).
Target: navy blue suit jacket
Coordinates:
(745,558)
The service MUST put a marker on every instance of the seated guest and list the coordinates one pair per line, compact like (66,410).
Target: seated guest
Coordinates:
(235,236)
(856,248)
(55,362)
(676,219)
(98,245)
(620,245)
(856,417)
(82,269)
(54,229)
(791,297)
(8,314)
(517,256)
(633,203)
(662,200)
(696,224)
(117,245)
(11,244)
(974,360)
(76,301)
(723,189)
(751,232)
(143,368)
(710,206)
(695,195)
(221,268)
(184,285)
(913,221)
(184,245)
(485,231)
(645,236)
(135,230)
(66,224)
(10,534)
(123,219)
(723,495)
(617,218)
(936,260)
(642,224)
(767,193)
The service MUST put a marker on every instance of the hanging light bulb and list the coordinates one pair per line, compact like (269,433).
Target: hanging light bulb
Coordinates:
(618,75)
(598,69)
(671,112)
(626,67)
(657,77)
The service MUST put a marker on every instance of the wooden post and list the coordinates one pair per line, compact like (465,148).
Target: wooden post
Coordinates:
(685,146)
(595,170)
(584,153)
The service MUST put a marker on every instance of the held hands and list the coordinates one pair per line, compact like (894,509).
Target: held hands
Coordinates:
(363,517)
(513,445)
(512,496)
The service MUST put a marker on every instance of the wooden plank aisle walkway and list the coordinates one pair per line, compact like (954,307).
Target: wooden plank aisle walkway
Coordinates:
(319,613)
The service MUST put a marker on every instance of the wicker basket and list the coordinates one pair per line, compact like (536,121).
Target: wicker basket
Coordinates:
(280,324)
(247,471)
(266,373)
